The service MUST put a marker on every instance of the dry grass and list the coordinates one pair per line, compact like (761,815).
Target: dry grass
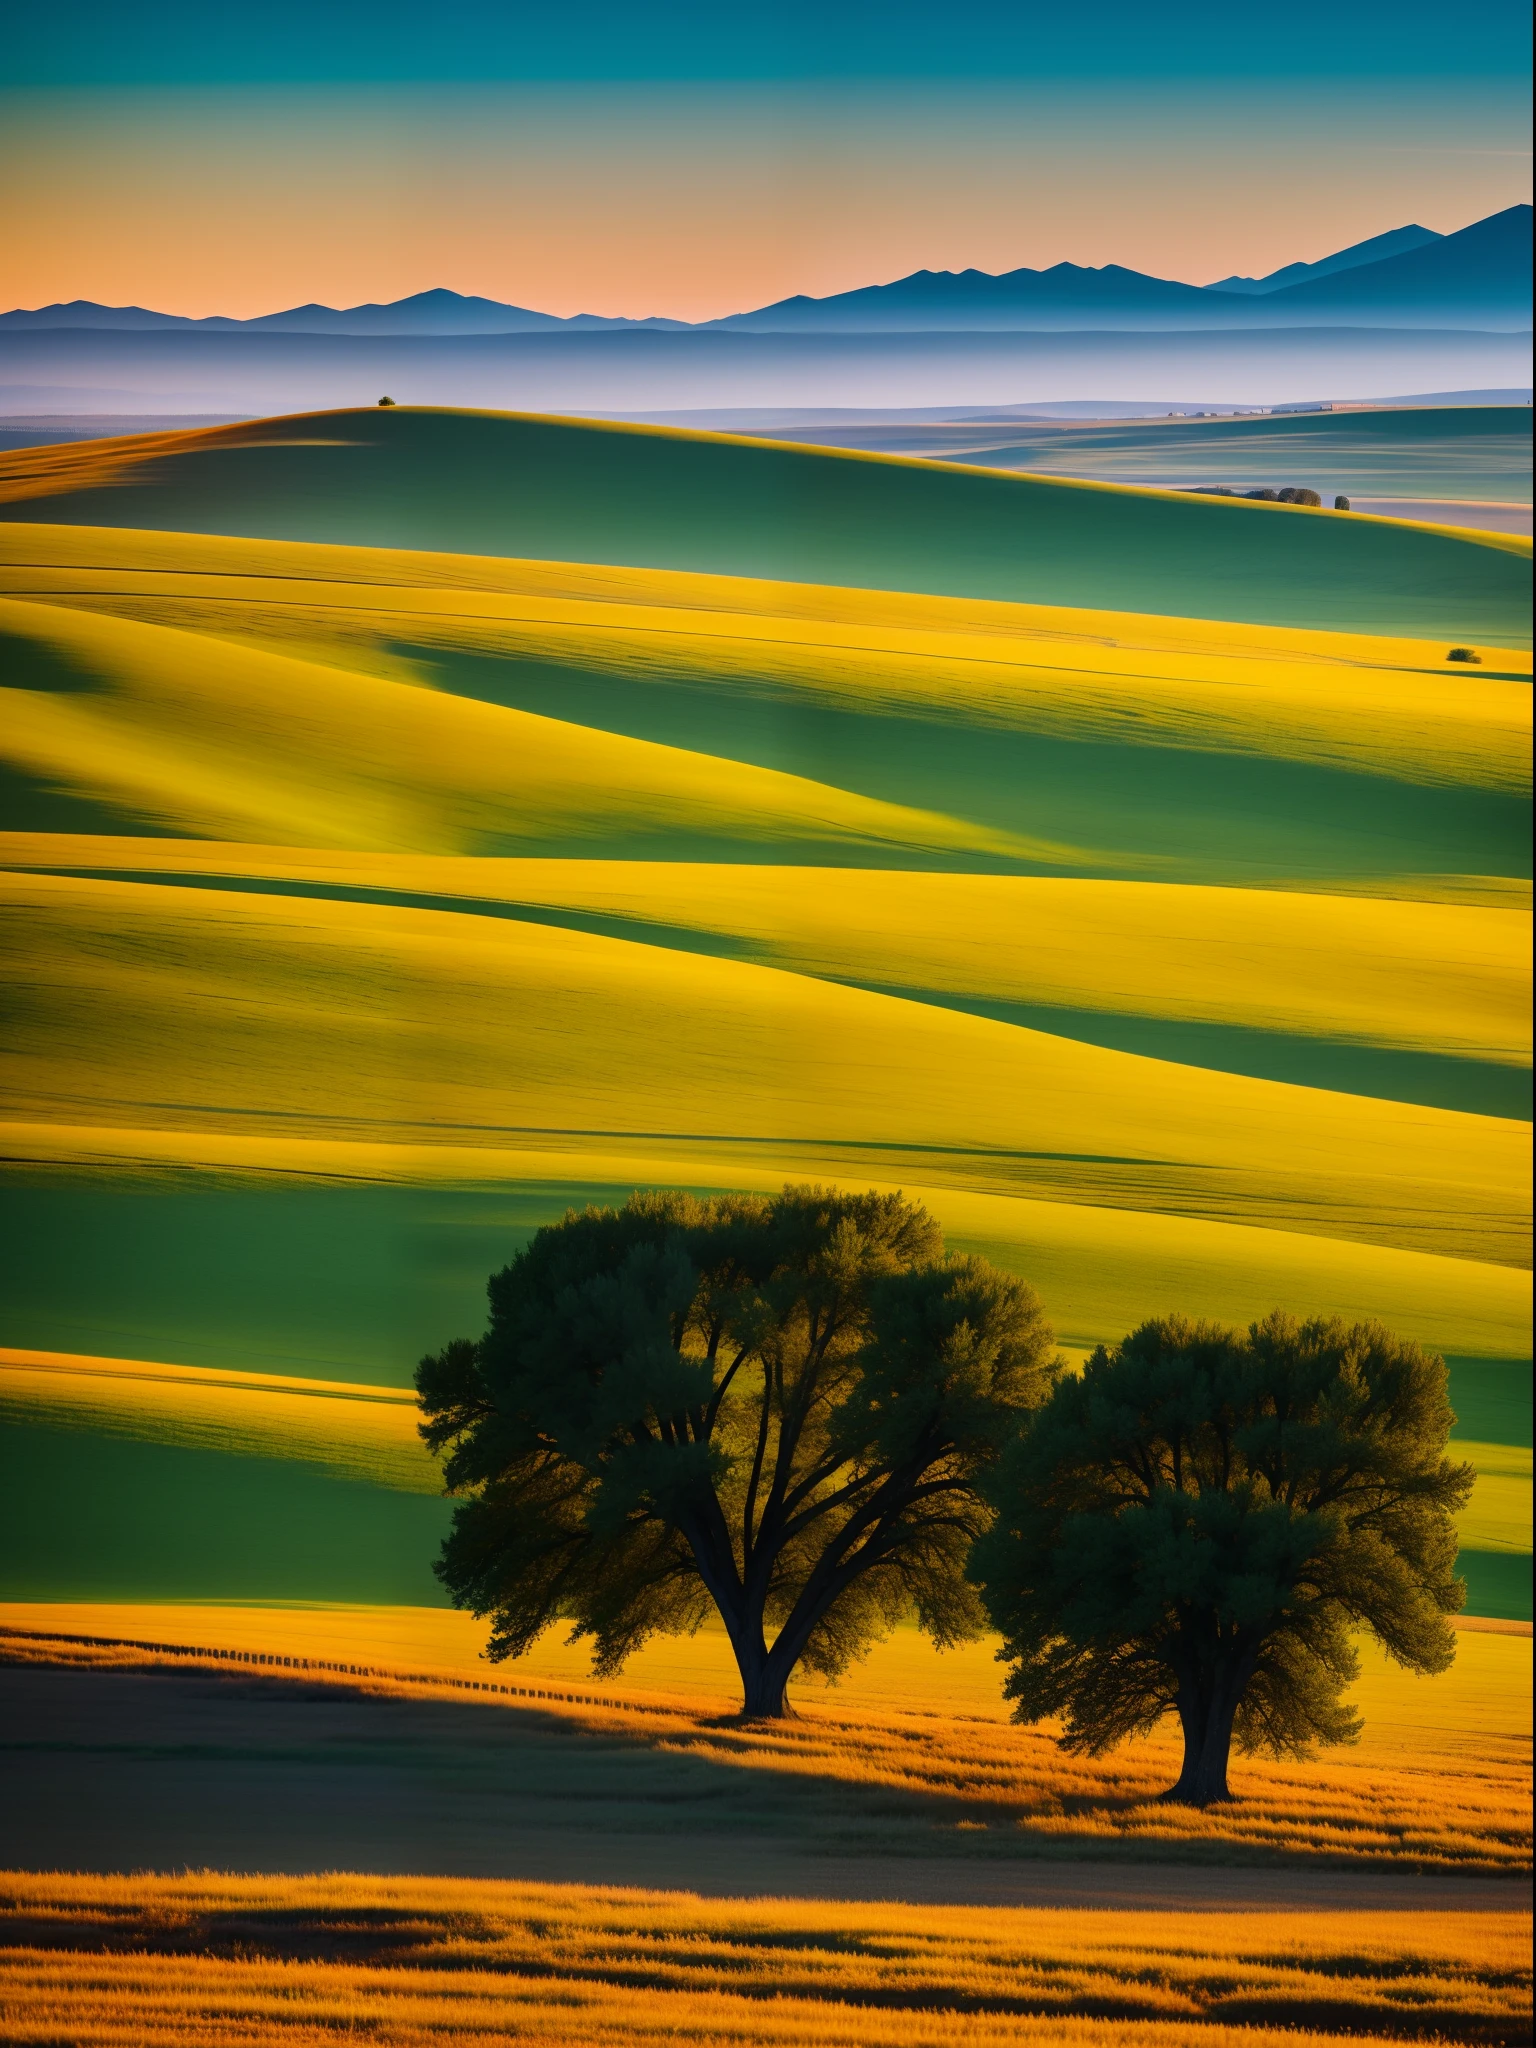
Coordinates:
(205,1958)
(922,1742)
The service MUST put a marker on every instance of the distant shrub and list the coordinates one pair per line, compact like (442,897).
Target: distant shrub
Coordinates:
(1465,654)
(1341,504)
(1295,494)
(386,401)
(1269,495)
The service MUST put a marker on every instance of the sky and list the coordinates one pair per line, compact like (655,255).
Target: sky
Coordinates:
(692,160)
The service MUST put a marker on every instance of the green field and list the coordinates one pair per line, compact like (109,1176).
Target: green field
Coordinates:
(659,498)
(418,822)
(1478,454)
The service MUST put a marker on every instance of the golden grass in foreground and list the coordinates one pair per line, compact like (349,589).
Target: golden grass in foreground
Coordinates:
(1440,1782)
(208,1958)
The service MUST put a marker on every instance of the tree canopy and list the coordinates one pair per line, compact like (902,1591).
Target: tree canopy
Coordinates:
(778,1406)
(1200,1522)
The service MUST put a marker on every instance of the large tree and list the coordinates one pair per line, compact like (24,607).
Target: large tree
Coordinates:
(778,1407)
(1200,1523)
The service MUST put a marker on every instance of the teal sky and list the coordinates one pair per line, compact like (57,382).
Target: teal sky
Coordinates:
(694,159)
(167,42)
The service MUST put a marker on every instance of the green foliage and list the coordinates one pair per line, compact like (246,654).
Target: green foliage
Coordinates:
(1341,504)
(1465,654)
(386,401)
(1199,1523)
(779,1406)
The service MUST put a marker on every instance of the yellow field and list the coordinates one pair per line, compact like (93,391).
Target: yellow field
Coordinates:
(247,1009)
(368,1432)
(1333,699)
(412,1960)
(357,1432)
(1101,1270)
(214,737)
(1421,976)
(1499,1514)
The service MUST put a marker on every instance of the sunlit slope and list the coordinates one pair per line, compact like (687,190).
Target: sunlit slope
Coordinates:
(278,705)
(1498,1517)
(202,734)
(348,1259)
(1384,705)
(367,1433)
(332,1018)
(581,491)
(1388,974)
(352,1431)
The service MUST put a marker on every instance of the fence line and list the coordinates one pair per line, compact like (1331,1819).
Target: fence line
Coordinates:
(270,1660)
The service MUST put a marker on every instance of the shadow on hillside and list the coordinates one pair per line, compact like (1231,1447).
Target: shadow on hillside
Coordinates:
(113,1769)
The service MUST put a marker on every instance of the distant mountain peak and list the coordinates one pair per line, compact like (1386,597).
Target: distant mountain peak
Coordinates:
(1396,242)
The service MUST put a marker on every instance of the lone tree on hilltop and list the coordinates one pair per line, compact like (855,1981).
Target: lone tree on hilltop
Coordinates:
(779,1406)
(1198,1523)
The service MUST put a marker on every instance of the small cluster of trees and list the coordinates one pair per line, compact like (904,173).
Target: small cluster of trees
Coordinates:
(797,1412)
(1289,494)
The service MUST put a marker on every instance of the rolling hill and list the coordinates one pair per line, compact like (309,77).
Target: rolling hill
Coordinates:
(417,823)
(661,498)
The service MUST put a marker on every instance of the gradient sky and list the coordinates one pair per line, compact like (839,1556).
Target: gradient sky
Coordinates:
(694,160)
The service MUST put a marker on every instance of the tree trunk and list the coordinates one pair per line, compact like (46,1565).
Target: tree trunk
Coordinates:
(764,1699)
(1207,1723)
(764,1678)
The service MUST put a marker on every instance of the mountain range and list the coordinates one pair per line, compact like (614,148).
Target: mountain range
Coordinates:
(1394,243)
(1476,278)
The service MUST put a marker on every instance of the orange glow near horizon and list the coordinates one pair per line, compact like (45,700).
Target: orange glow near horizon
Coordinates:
(692,202)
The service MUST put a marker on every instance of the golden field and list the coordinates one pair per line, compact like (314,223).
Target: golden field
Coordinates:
(206,1958)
